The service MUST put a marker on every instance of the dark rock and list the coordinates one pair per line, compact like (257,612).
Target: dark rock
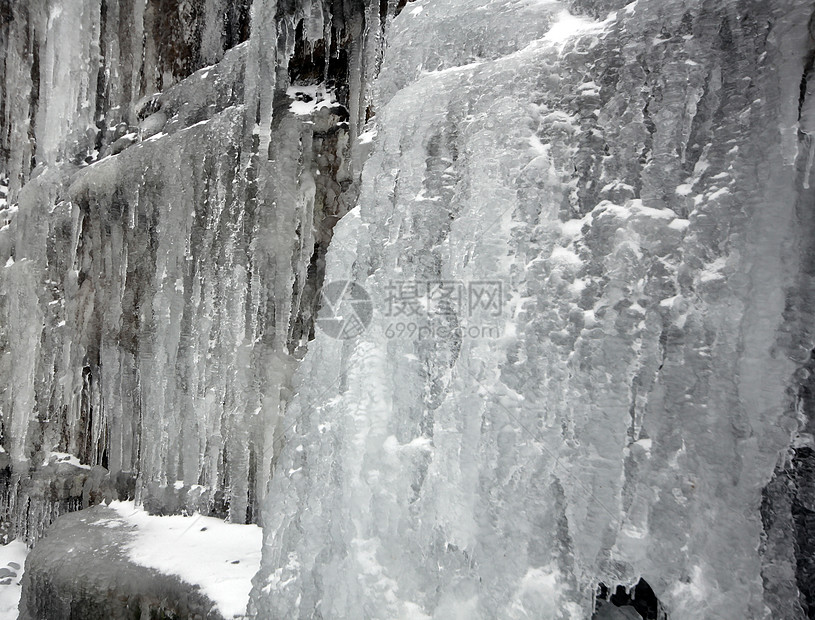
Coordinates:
(80,570)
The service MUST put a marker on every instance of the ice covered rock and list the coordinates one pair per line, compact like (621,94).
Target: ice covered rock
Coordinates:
(632,187)
(82,568)
(163,245)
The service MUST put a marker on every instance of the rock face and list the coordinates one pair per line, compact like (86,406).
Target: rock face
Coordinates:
(586,239)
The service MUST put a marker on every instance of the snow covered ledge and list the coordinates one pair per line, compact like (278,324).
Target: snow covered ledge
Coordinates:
(121,562)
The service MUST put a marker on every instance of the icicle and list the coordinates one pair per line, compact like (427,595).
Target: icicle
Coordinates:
(806,123)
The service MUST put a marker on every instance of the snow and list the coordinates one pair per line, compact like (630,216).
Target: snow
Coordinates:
(720,193)
(565,256)
(572,228)
(645,444)
(155,137)
(220,557)
(12,565)
(713,271)
(64,457)
(567,26)
(307,99)
(366,137)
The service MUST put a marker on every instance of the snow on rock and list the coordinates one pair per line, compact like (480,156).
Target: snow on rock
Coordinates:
(307,99)
(83,567)
(219,558)
(64,457)
(12,567)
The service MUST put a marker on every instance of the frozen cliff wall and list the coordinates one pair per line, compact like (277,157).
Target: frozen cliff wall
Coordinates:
(73,72)
(170,189)
(587,240)
(637,191)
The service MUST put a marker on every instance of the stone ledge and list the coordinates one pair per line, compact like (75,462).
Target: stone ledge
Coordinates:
(80,571)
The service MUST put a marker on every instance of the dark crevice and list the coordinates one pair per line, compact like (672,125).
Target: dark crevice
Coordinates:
(101,81)
(639,600)
(314,63)
(236,23)
(33,101)
(807,75)
(252,500)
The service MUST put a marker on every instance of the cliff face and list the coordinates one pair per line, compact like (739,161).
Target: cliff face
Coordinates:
(583,243)
(640,192)
(163,240)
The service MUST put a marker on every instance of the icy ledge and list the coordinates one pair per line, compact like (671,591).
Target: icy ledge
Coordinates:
(111,561)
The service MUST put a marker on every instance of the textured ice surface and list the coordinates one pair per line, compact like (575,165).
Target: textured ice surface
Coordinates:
(161,260)
(641,206)
(636,186)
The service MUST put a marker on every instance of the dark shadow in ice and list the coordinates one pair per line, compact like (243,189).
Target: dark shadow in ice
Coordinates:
(622,604)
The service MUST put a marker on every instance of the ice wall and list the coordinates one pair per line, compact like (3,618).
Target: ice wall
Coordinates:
(638,188)
(165,219)
(622,391)
(72,72)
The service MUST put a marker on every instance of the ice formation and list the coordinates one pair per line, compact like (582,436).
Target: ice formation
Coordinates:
(160,272)
(606,378)
(630,183)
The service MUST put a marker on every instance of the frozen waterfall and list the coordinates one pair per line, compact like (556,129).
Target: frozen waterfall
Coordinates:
(480,309)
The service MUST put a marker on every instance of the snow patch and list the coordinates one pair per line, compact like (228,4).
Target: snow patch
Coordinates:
(419,444)
(367,136)
(714,270)
(572,228)
(64,457)
(12,566)
(565,256)
(567,26)
(221,558)
(307,99)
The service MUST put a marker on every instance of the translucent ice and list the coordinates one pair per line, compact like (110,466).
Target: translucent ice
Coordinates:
(624,418)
